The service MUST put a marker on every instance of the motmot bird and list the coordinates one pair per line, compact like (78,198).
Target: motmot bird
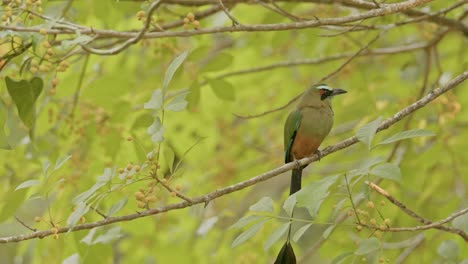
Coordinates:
(305,129)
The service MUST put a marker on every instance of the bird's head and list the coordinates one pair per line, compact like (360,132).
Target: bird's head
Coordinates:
(326,91)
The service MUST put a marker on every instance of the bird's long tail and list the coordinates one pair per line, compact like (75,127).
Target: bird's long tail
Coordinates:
(296,178)
(286,254)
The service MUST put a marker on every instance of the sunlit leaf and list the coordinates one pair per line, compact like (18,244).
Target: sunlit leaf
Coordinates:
(340,258)
(117,206)
(407,134)
(86,194)
(265,204)
(156,130)
(110,235)
(24,94)
(156,100)
(367,246)
(223,89)
(277,234)
(448,249)
(247,234)
(88,239)
(245,221)
(300,232)
(328,231)
(175,64)
(207,225)
(289,204)
(73,259)
(312,195)
(177,104)
(388,171)
(45,167)
(366,133)
(61,161)
(81,209)
(27,184)
(461,222)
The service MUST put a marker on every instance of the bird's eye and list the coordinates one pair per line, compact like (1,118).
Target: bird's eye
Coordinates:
(324,93)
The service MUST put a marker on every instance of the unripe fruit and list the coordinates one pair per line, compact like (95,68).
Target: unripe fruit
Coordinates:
(196,24)
(191,16)
(43,31)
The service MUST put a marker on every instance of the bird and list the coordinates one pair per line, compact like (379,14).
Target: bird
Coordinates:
(305,129)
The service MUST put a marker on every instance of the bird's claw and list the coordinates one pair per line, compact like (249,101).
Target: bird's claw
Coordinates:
(297,164)
(319,154)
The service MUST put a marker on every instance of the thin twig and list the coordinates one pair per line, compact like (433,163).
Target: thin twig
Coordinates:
(326,77)
(177,193)
(25,225)
(254,180)
(132,40)
(428,224)
(235,22)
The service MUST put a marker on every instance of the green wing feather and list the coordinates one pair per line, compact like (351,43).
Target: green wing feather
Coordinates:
(290,130)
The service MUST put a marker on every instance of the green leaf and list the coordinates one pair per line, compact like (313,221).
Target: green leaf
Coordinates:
(387,171)
(3,118)
(328,231)
(13,200)
(276,235)
(177,104)
(407,134)
(312,195)
(222,89)
(81,39)
(193,98)
(60,161)
(111,235)
(368,246)
(117,206)
(247,234)
(28,184)
(448,249)
(169,157)
(81,209)
(24,94)
(156,130)
(339,259)
(88,239)
(245,221)
(86,194)
(73,259)
(289,204)
(366,133)
(45,167)
(156,100)
(219,62)
(175,64)
(461,222)
(265,204)
(300,232)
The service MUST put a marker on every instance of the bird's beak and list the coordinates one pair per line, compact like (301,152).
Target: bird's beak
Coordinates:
(338,91)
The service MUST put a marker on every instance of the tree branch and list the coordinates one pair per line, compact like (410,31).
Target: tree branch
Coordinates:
(428,223)
(252,181)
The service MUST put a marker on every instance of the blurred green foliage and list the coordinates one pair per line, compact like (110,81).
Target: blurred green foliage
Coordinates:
(83,147)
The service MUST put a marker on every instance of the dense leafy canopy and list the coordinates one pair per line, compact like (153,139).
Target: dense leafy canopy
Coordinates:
(87,138)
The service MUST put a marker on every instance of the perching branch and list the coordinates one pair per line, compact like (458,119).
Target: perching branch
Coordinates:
(252,181)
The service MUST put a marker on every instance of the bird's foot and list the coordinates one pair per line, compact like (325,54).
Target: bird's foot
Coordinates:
(319,154)
(297,164)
